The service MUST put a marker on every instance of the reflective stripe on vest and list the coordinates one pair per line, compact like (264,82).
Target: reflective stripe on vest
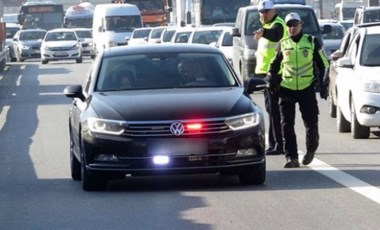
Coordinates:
(297,63)
(266,49)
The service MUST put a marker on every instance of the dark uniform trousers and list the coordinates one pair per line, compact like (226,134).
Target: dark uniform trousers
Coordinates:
(274,132)
(308,107)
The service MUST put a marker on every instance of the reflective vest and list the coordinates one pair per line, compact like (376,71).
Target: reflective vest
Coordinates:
(266,49)
(297,63)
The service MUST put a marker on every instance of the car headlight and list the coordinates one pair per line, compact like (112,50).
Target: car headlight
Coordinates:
(112,127)
(76,46)
(248,53)
(372,87)
(46,48)
(244,121)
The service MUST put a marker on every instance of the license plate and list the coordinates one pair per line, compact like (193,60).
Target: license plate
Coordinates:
(175,147)
(60,54)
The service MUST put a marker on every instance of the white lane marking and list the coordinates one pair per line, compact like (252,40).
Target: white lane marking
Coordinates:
(353,183)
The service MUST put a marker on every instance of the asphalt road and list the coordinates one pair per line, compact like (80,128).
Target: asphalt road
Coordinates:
(339,190)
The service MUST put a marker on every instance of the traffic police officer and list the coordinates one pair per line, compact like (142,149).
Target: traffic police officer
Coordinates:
(298,55)
(272,31)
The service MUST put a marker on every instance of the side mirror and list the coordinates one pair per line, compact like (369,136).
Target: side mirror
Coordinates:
(345,62)
(336,55)
(255,84)
(74,91)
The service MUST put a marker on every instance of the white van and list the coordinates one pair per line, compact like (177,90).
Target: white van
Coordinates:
(112,23)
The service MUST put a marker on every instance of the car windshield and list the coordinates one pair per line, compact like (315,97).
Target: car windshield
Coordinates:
(84,33)
(337,33)
(122,23)
(143,33)
(32,35)
(164,70)
(61,36)
(371,51)
(206,37)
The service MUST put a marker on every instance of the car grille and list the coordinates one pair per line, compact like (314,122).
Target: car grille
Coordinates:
(60,48)
(36,47)
(145,129)
(85,44)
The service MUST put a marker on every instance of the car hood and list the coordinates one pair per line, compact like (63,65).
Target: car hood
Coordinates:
(173,104)
(60,43)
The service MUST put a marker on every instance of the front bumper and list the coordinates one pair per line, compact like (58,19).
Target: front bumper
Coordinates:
(61,55)
(33,52)
(227,153)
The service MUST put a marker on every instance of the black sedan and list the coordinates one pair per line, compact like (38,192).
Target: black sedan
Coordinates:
(164,109)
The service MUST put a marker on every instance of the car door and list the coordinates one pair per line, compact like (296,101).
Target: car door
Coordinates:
(346,77)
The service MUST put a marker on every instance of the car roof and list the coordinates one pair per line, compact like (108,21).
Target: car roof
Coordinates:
(61,30)
(162,48)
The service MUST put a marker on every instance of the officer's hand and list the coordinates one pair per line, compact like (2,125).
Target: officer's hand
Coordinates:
(324,93)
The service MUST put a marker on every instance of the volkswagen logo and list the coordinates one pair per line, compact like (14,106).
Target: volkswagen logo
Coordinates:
(177,128)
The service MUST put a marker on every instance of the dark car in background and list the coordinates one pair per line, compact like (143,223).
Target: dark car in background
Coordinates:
(27,43)
(168,109)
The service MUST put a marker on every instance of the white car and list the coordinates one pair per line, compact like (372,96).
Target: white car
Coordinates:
(224,43)
(206,35)
(61,44)
(139,36)
(85,37)
(358,84)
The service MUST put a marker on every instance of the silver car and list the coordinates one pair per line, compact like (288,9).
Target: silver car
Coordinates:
(27,43)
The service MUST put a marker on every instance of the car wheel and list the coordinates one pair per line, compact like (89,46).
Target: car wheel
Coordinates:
(254,176)
(93,56)
(332,106)
(79,60)
(43,61)
(75,165)
(13,59)
(342,124)
(358,131)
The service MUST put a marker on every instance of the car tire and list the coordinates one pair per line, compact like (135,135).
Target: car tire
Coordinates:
(255,176)
(358,131)
(79,60)
(75,165)
(342,124)
(332,106)
(93,56)
(43,61)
